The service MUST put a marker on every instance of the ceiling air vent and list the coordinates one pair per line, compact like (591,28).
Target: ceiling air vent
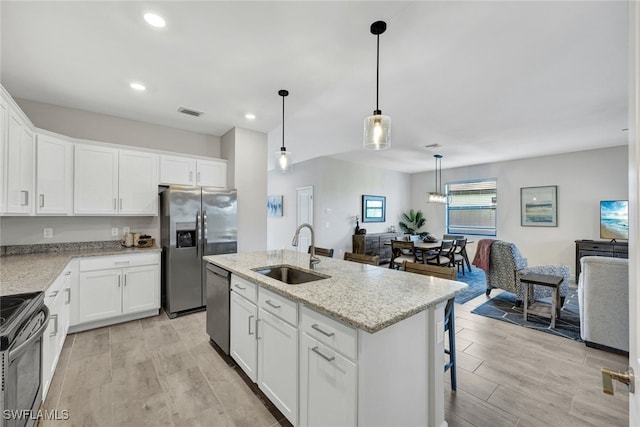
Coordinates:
(189,112)
(432,146)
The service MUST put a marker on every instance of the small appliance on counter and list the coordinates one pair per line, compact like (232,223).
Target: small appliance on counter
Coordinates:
(137,240)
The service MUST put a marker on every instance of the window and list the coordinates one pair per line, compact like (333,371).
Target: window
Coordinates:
(472,207)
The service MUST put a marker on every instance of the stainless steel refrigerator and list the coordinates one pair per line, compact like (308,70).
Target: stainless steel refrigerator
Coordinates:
(195,221)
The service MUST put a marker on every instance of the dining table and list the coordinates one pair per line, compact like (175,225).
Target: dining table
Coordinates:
(423,247)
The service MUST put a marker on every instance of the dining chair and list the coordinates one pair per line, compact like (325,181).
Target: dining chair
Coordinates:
(459,253)
(402,250)
(449,313)
(322,251)
(444,255)
(362,259)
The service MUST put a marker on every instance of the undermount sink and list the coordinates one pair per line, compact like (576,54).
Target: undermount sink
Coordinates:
(289,274)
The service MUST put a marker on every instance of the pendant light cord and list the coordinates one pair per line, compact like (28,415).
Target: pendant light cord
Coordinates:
(283,120)
(377,70)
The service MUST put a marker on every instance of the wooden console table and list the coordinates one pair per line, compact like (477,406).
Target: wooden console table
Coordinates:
(374,244)
(599,248)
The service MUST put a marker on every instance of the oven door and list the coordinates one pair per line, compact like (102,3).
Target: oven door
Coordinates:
(23,374)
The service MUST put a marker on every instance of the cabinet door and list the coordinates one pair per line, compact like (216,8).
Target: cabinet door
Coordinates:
(95,180)
(3,145)
(99,295)
(138,183)
(211,173)
(278,363)
(54,176)
(243,343)
(327,386)
(177,170)
(20,166)
(141,288)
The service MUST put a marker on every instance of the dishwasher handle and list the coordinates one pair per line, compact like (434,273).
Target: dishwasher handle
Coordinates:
(221,272)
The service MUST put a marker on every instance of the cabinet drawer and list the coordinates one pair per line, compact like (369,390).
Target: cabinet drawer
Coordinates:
(118,261)
(278,305)
(245,288)
(595,247)
(336,335)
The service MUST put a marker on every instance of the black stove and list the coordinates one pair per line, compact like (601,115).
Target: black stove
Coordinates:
(15,310)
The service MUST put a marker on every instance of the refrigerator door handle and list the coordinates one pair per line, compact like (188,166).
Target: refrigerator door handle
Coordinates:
(204,233)
(198,234)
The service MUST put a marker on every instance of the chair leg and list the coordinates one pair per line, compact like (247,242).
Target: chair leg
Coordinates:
(488,292)
(451,365)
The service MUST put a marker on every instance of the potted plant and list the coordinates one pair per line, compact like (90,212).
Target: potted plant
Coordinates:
(413,221)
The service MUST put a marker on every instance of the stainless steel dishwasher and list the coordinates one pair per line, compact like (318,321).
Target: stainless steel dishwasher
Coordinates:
(218,288)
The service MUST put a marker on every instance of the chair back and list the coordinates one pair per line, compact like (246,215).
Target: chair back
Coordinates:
(402,248)
(452,237)
(362,259)
(430,270)
(446,248)
(322,251)
(460,245)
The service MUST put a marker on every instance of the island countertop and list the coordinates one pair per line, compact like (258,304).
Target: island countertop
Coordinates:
(367,297)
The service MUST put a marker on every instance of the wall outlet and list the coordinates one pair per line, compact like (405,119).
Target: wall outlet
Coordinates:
(114,231)
(47,233)
(125,230)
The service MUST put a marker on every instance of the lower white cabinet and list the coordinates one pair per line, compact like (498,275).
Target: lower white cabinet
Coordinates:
(114,286)
(243,344)
(328,386)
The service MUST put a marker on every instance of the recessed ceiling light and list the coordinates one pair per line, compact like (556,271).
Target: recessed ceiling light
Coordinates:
(154,20)
(250,116)
(138,86)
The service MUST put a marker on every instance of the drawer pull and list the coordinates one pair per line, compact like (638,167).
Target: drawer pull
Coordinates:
(68,290)
(53,294)
(327,358)
(55,319)
(239,287)
(272,304)
(121,262)
(317,328)
(250,333)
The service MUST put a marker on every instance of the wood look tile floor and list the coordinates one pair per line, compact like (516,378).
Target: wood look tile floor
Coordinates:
(162,372)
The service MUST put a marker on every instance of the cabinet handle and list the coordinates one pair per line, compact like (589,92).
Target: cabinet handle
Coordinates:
(198,177)
(55,331)
(317,328)
(120,203)
(250,333)
(240,287)
(121,262)
(66,273)
(272,304)
(68,290)
(257,324)
(125,280)
(327,358)
(26,198)
(114,204)
(42,200)
(53,294)
(190,176)
(118,280)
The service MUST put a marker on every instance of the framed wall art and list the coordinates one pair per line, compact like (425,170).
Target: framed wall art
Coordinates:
(274,205)
(373,208)
(539,206)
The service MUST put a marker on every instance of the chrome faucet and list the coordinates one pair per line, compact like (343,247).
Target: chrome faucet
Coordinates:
(313,259)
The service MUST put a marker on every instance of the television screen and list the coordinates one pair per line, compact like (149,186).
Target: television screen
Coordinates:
(614,219)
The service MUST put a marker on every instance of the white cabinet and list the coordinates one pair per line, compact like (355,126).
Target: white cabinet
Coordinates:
(20,165)
(57,299)
(278,352)
(109,181)
(243,343)
(54,176)
(115,286)
(328,379)
(3,144)
(180,170)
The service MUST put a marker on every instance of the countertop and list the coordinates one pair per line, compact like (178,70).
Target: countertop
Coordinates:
(35,272)
(367,297)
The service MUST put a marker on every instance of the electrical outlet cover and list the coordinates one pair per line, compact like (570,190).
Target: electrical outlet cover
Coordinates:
(114,231)
(125,230)
(47,233)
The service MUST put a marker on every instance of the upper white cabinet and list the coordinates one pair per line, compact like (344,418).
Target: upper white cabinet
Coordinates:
(20,165)
(54,176)
(109,181)
(3,144)
(181,170)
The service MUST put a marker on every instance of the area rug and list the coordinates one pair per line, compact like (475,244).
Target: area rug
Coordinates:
(502,307)
(477,285)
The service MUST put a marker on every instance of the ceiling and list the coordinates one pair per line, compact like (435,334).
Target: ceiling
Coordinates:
(486,80)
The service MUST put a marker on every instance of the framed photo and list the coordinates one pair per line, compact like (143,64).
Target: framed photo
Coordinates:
(373,208)
(539,206)
(274,205)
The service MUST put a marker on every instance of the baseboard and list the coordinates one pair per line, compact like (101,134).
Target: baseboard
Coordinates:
(606,348)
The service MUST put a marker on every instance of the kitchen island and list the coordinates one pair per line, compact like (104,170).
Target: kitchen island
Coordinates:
(397,322)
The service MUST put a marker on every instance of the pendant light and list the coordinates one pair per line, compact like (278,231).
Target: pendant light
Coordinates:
(283,157)
(437,196)
(377,128)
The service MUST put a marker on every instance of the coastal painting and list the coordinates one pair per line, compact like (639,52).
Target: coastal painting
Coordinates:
(538,206)
(274,205)
(614,219)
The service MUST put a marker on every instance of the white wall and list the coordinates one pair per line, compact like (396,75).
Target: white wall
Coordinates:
(583,179)
(338,189)
(99,127)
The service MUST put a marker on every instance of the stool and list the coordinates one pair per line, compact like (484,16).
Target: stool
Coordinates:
(548,280)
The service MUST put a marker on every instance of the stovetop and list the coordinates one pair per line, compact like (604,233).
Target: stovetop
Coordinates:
(14,311)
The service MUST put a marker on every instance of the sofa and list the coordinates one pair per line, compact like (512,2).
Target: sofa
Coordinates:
(507,266)
(603,298)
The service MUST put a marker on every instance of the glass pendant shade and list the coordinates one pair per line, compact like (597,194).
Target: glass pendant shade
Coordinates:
(377,132)
(437,196)
(283,160)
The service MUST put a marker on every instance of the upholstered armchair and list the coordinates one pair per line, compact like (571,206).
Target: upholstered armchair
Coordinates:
(507,265)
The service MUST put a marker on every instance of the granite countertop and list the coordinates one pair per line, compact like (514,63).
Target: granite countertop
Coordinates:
(33,272)
(367,297)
